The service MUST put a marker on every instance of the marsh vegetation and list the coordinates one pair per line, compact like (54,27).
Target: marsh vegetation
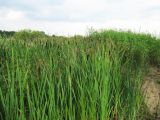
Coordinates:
(93,77)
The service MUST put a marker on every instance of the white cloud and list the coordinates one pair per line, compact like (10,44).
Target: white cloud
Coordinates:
(75,16)
(14,15)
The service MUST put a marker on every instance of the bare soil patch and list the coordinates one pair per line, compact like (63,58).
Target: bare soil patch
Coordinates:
(151,92)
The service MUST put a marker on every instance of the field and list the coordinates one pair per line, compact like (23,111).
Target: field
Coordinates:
(94,77)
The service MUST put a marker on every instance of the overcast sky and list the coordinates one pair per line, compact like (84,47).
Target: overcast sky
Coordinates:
(68,17)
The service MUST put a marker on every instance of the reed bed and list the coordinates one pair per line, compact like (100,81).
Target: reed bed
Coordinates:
(96,77)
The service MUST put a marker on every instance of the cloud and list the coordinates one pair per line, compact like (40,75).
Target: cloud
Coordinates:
(11,15)
(14,15)
(73,16)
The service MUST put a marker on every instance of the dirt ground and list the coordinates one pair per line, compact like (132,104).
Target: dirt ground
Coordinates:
(151,91)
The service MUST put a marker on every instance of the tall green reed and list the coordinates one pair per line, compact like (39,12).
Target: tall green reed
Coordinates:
(97,77)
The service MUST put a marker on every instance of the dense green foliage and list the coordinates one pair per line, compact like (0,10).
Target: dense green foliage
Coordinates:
(28,35)
(6,33)
(96,77)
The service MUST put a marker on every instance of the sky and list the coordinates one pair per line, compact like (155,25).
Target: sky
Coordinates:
(70,17)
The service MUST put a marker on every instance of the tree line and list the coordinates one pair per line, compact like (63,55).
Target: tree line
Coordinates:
(4,33)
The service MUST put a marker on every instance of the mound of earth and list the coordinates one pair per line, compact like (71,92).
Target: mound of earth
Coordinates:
(151,92)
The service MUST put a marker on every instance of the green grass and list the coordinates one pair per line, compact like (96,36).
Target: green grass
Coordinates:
(96,77)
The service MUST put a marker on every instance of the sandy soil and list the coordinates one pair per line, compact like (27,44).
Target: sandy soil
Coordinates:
(151,91)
